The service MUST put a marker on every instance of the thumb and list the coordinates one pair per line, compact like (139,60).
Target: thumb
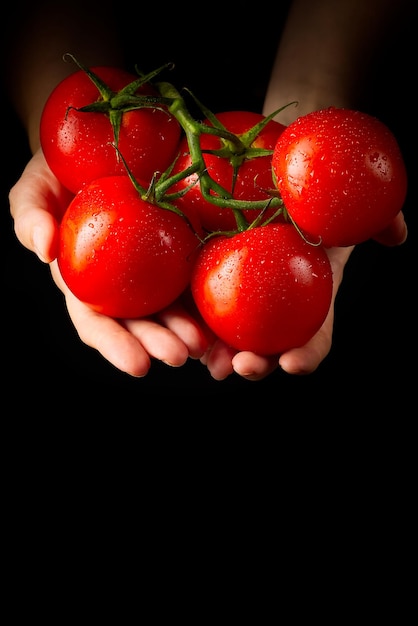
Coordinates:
(395,234)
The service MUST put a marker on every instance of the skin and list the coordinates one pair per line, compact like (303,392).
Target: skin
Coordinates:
(330,76)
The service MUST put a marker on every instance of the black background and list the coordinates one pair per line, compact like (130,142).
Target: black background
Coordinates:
(371,364)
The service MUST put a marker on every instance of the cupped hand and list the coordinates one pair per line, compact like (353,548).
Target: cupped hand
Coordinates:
(221,360)
(37,202)
(171,336)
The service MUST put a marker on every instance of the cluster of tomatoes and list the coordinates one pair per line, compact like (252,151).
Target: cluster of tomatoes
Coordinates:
(236,208)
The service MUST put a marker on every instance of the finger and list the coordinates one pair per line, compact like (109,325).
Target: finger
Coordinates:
(127,344)
(306,359)
(37,201)
(183,324)
(158,341)
(114,342)
(38,231)
(218,360)
(104,334)
(253,366)
(395,234)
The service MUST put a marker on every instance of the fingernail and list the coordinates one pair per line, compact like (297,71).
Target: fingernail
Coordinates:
(37,240)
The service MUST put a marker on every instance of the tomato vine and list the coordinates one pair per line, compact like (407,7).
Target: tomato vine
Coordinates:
(235,149)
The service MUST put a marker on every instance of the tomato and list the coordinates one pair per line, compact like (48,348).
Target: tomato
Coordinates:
(254,174)
(122,255)
(78,145)
(265,290)
(341,175)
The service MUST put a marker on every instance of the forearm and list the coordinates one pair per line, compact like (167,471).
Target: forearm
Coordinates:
(326,52)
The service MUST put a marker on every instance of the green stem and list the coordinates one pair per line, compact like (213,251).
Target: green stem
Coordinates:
(211,190)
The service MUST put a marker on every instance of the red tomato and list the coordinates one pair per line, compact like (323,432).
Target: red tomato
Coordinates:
(78,145)
(254,174)
(122,255)
(341,175)
(265,290)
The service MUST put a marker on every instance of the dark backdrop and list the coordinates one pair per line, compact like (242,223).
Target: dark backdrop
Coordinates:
(375,327)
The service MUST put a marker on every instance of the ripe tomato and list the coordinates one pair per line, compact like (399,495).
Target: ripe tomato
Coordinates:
(341,175)
(265,290)
(122,255)
(254,174)
(78,145)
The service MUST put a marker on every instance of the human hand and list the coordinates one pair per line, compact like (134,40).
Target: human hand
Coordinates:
(37,202)
(222,360)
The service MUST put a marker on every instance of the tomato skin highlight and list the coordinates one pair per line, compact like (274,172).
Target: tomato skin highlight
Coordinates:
(254,175)
(122,255)
(78,145)
(341,175)
(265,290)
